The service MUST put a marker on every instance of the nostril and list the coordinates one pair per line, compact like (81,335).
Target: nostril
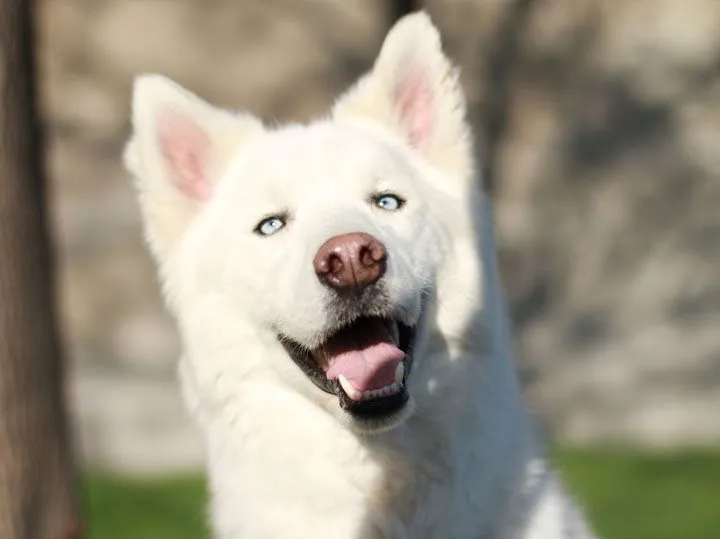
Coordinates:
(372,253)
(335,264)
(366,257)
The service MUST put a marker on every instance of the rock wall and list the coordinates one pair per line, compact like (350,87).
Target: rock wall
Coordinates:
(599,126)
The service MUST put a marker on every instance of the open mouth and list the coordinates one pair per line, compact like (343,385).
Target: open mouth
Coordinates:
(365,364)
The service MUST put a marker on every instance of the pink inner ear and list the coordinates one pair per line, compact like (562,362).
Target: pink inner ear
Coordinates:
(186,149)
(415,102)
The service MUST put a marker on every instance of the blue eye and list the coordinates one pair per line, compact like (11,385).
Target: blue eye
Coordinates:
(389,202)
(268,227)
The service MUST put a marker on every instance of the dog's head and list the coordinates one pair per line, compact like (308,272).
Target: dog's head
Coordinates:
(325,240)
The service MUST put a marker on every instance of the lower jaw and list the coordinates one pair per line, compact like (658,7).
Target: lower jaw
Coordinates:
(370,424)
(374,409)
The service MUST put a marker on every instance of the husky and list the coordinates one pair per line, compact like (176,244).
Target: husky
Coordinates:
(347,351)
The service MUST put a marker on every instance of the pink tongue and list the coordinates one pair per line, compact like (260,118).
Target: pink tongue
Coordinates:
(364,354)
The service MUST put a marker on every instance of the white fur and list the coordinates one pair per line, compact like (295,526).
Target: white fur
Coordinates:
(284,460)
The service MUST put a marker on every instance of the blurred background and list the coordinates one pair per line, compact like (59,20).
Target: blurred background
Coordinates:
(598,122)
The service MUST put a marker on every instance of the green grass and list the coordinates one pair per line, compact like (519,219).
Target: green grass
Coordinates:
(158,509)
(632,496)
(626,495)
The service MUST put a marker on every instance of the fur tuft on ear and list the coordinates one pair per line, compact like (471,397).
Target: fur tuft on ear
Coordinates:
(414,91)
(178,150)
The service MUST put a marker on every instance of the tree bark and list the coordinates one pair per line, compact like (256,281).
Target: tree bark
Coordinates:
(37,472)
(400,8)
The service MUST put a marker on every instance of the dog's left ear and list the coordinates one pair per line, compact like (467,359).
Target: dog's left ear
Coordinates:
(414,91)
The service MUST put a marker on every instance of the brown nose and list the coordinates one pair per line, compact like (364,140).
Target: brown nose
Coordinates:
(350,261)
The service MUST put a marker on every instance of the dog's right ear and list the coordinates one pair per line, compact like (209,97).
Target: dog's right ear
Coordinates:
(178,151)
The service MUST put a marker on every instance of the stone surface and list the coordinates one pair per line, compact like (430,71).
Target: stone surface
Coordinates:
(598,122)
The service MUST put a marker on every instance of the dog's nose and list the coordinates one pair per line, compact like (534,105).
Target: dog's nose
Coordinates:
(353,260)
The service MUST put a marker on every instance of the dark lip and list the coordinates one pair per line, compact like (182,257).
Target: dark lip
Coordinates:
(375,409)
(378,408)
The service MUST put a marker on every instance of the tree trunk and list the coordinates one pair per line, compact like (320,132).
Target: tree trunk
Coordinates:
(400,8)
(37,475)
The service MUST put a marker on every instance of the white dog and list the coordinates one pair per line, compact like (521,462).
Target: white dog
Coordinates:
(347,351)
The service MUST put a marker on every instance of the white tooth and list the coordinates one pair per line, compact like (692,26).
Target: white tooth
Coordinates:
(399,373)
(353,393)
(394,388)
